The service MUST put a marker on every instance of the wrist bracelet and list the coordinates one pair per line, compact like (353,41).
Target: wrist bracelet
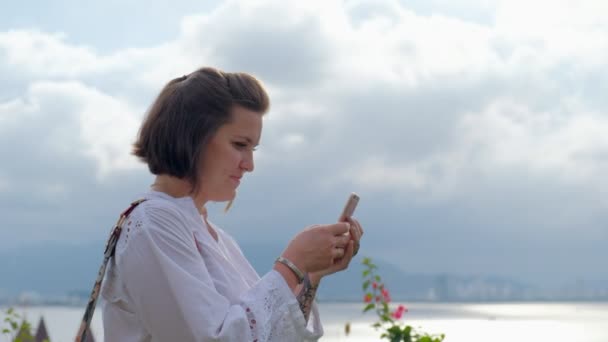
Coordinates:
(299,274)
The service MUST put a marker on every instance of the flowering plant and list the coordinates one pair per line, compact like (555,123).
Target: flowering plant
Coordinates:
(377,298)
(14,331)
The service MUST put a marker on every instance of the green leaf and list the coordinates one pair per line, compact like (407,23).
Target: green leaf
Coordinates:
(377,278)
(365,273)
(369,307)
(5,331)
(407,337)
(366,285)
(394,330)
(386,318)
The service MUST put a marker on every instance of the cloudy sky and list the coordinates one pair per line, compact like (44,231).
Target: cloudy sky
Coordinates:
(476,132)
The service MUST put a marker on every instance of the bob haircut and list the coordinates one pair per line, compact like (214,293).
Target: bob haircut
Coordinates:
(186,115)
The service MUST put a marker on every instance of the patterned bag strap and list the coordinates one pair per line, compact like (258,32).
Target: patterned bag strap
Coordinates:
(108,253)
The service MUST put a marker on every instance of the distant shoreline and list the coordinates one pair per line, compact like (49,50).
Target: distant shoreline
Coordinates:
(15,304)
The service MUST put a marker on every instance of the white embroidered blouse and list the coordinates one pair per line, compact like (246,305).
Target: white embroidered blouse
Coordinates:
(170,280)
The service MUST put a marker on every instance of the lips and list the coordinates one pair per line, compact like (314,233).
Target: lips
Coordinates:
(236,179)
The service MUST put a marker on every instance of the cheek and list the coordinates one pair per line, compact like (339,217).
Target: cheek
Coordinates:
(223,161)
(227,162)
(233,158)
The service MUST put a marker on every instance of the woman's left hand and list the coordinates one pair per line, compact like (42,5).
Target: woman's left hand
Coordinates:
(356,232)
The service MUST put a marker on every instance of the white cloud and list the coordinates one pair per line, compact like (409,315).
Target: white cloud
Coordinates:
(556,31)
(484,105)
(387,46)
(377,173)
(73,119)
(568,146)
(293,140)
(560,144)
(41,54)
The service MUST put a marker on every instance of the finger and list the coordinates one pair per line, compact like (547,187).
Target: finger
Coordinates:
(355,226)
(343,262)
(349,249)
(358,225)
(357,233)
(337,253)
(341,241)
(338,228)
(359,229)
(348,255)
(356,248)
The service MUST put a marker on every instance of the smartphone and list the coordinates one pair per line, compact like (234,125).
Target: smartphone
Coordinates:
(349,207)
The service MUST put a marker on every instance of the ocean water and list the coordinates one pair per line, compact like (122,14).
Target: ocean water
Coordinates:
(555,322)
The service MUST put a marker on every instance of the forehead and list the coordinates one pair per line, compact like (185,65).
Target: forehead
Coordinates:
(244,122)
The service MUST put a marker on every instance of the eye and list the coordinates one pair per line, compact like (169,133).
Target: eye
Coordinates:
(243,145)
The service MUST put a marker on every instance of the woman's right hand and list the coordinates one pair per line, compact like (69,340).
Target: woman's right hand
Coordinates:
(316,247)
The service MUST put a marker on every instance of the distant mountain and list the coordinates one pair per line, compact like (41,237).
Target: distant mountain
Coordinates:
(50,269)
(347,285)
(58,270)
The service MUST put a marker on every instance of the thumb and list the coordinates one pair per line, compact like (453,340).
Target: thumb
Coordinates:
(339,228)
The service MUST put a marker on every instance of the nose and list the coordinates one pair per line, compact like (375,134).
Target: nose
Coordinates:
(247,163)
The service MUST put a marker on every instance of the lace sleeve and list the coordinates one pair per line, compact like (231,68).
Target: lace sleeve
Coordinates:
(174,296)
(282,320)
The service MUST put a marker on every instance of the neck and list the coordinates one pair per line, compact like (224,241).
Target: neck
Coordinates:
(177,187)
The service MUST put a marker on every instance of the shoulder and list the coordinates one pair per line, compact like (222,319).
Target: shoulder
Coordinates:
(157,218)
(158,210)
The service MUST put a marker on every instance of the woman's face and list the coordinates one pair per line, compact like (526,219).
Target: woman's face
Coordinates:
(229,155)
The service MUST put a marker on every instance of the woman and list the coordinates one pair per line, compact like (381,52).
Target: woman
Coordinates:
(176,276)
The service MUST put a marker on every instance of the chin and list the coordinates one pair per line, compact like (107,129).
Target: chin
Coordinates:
(225,196)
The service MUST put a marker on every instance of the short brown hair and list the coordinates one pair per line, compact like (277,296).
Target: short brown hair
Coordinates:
(186,115)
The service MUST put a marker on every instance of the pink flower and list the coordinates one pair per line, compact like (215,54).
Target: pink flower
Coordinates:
(386,295)
(398,313)
(374,285)
(367,298)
